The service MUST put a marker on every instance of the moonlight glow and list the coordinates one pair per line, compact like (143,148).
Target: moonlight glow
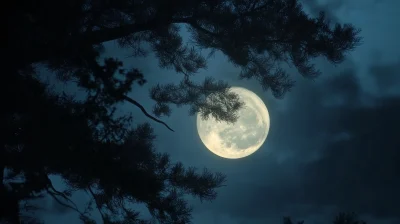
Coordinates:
(241,139)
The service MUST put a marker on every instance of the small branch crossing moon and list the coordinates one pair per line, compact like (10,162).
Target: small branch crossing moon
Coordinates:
(244,137)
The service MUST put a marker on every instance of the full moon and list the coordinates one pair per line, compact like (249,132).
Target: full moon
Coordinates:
(242,138)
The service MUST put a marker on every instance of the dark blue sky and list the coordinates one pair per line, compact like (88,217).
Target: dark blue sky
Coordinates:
(333,144)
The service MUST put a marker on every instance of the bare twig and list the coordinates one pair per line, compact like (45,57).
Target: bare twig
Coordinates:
(53,195)
(58,193)
(134,102)
(98,206)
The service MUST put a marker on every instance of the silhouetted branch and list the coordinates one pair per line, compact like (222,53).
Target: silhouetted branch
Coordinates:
(98,69)
(98,206)
(134,102)
(53,195)
(58,193)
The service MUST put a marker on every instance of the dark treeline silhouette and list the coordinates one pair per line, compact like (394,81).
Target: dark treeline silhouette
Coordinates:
(341,218)
(92,149)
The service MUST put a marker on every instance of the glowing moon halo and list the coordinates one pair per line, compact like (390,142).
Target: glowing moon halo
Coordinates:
(244,137)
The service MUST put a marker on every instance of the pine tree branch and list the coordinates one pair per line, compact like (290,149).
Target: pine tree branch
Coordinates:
(134,102)
(54,196)
(95,66)
(98,206)
(54,193)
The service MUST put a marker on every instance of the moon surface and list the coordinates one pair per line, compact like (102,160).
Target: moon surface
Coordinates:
(245,136)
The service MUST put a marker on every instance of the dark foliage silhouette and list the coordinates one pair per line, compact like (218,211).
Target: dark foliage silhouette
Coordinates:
(257,36)
(117,165)
(98,152)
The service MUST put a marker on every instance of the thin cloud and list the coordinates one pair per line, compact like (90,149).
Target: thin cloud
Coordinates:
(355,167)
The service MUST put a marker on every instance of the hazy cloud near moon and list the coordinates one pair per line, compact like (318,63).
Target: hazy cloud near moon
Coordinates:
(345,155)
(331,149)
(335,140)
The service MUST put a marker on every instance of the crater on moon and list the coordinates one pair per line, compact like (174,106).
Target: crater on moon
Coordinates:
(242,138)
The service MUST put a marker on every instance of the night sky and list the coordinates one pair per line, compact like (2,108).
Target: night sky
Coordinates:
(333,145)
